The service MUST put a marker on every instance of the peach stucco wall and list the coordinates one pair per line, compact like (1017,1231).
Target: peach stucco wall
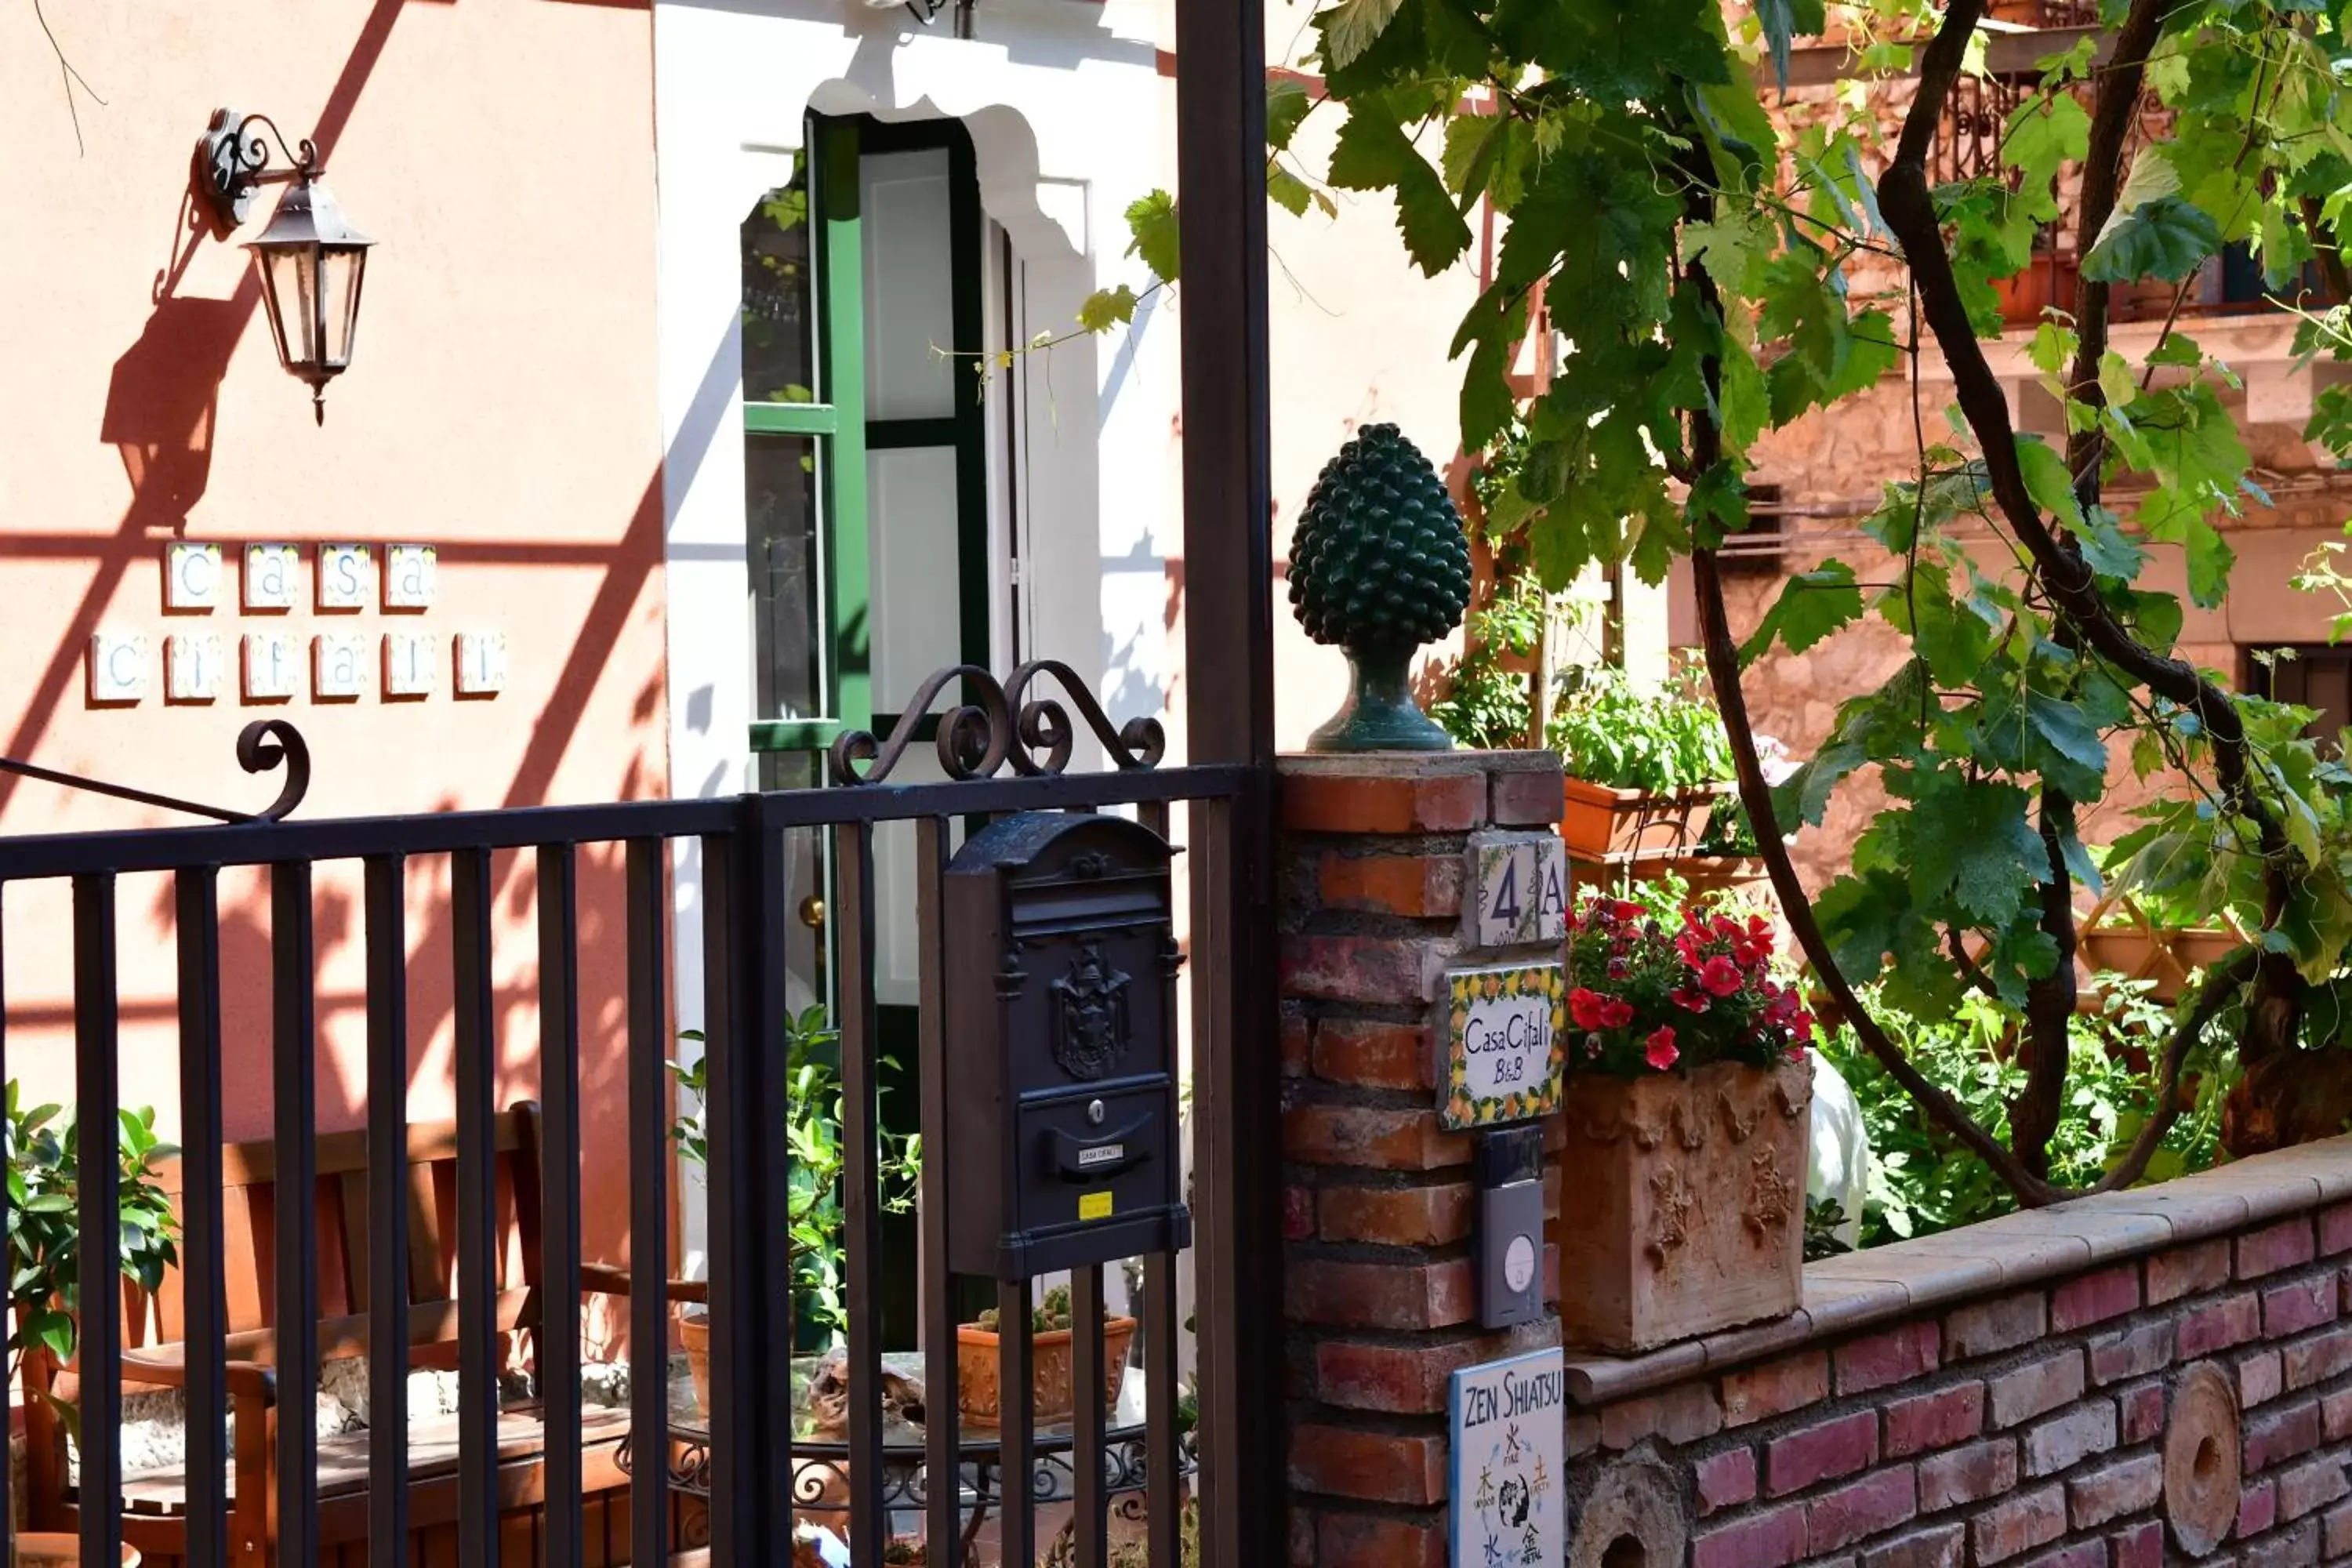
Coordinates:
(500,406)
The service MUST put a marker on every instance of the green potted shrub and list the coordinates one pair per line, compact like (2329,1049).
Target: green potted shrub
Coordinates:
(44,1155)
(1647,770)
(814,1217)
(979,1396)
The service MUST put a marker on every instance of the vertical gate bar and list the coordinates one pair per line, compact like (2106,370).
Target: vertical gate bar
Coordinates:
(942,1467)
(477,1051)
(750,1354)
(649,1168)
(385,896)
(861,1187)
(1162,1464)
(97,1099)
(558,1347)
(1088,1380)
(294,1033)
(1016,1419)
(1162,1331)
(203,1277)
(1229,717)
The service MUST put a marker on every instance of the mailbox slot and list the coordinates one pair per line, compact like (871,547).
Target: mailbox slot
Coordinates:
(1060,1037)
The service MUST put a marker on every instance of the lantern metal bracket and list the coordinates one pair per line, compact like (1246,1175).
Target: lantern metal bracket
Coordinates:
(233,161)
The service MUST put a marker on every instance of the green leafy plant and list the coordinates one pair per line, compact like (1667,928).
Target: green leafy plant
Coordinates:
(1611,730)
(1051,1313)
(1487,703)
(813,1135)
(1924,1180)
(44,1224)
(1648,995)
(1824,1217)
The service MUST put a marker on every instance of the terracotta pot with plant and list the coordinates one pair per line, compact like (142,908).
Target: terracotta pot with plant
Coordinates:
(1648,778)
(980,1396)
(44,1155)
(814,1220)
(1686,1114)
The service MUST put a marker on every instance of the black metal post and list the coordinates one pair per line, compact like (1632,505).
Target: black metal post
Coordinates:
(386,901)
(97,1093)
(1229,655)
(203,1279)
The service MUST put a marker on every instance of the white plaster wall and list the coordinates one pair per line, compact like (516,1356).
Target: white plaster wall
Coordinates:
(1059,97)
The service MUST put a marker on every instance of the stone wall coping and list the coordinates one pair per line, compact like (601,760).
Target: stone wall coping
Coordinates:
(1414,764)
(1902,1279)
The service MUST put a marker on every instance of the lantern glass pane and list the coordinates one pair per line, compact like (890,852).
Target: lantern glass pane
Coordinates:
(294,281)
(340,267)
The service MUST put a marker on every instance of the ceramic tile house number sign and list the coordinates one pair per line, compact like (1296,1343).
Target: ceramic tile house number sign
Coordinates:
(1505,1044)
(1509,1432)
(1518,883)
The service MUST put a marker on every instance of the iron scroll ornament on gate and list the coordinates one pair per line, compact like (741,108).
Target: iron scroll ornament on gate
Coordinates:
(998,725)
(261,746)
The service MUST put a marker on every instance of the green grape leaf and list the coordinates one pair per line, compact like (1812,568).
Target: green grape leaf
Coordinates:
(1151,223)
(2167,239)
(2048,481)
(1287,102)
(1352,26)
(1812,605)
(1287,190)
(1373,154)
(1106,307)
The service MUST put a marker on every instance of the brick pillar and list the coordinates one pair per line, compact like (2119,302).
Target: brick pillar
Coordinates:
(1380,1304)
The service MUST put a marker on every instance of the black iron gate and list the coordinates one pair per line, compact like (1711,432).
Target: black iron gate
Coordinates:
(1006,749)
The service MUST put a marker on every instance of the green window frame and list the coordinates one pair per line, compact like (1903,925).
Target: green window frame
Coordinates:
(836,423)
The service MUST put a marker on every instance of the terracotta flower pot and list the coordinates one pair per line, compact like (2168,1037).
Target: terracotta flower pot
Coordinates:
(1600,823)
(1685,1203)
(694,1338)
(2164,956)
(979,1398)
(44,1548)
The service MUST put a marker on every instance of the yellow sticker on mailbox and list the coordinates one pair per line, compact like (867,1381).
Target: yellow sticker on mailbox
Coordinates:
(1094,1205)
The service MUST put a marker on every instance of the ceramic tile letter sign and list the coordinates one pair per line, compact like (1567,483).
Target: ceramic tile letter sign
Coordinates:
(1509,1430)
(1505,1046)
(191,576)
(118,667)
(410,661)
(481,664)
(273,667)
(271,572)
(346,575)
(1518,883)
(193,667)
(411,574)
(339,667)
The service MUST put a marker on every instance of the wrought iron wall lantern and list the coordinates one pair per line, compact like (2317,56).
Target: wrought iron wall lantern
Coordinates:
(311,262)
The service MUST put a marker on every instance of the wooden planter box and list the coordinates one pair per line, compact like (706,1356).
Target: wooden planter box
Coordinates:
(1686,1206)
(978,1397)
(1601,824)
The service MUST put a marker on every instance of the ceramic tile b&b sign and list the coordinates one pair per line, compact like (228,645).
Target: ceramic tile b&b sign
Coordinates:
(1509,1428)
(1506,1047)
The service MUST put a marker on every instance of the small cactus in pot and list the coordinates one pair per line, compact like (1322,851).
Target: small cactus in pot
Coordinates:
(1379,565)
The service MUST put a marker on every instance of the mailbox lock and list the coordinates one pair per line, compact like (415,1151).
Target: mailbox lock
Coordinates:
(1094,1112)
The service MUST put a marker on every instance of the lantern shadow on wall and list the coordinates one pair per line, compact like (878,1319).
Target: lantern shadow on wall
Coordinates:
(160,403)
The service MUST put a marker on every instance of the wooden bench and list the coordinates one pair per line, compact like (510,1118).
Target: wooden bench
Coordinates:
(155,1500)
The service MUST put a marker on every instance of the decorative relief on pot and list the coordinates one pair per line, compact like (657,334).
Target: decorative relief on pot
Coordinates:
(1670,1208)
(1742,1125)
(1770,1197)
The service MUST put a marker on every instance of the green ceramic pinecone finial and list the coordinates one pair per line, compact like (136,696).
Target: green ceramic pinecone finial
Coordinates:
(1379,567)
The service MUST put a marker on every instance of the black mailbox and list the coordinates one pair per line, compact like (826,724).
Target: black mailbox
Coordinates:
(1061,1047)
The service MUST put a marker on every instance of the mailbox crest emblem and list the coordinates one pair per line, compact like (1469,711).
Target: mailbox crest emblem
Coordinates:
(1090,1017)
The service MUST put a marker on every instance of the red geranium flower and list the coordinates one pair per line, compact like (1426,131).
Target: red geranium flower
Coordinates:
(1584,1006)
(1661,1053)
(1615,1012)
(1626,911)
(1691,1001)
(1721,976)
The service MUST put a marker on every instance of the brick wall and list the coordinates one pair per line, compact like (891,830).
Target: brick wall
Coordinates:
(1379,1299)
(2009,1393)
